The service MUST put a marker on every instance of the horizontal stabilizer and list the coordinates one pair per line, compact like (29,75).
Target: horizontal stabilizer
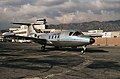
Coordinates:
(28,24)
(23,23)
(41,20)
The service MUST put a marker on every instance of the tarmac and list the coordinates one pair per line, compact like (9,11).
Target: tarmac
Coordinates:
(26,61)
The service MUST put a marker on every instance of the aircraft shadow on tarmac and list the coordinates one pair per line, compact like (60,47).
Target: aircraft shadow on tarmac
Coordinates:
(88,50)
(9,47)
(96,50)
(100,64)
(30,64)
(42,65)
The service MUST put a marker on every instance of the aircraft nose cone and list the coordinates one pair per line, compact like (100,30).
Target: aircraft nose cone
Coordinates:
(92,40)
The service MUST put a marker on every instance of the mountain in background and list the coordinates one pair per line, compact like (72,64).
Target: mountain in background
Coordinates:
(93,25)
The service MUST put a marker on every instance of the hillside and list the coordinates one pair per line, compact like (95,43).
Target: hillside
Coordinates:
(85,26)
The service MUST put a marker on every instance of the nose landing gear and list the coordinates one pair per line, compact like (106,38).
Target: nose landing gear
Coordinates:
(83,49)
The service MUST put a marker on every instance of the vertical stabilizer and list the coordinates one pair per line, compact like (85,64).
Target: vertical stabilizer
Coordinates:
(31,31)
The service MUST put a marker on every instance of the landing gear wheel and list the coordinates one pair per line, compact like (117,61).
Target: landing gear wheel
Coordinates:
(83,49)
(43,48)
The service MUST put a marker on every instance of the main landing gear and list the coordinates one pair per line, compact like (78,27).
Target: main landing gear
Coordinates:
(42,48)
(83,49)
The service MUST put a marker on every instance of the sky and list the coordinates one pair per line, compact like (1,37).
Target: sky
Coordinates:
(58,11)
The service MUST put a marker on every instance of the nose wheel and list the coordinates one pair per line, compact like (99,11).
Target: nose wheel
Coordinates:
(83,49)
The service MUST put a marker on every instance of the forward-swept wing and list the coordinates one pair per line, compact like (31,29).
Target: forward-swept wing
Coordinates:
(36,40)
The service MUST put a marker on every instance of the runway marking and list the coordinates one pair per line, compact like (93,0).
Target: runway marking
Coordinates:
(33,78)
(52,75)
(88,61)
(37,56)
(63,52)
(74,53)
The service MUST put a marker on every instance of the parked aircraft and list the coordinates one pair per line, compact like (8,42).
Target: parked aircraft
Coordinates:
(67,38)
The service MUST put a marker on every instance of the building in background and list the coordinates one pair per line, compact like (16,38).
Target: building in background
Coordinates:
(107,38)
(1,39)
(23,30)
(94,33)
(41,28)
(103,34)
(111,34)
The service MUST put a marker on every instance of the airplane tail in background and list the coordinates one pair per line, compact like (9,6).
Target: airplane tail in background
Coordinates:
(31,30)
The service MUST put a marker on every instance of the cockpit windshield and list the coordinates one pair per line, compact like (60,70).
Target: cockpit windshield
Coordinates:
(77,33)
(70,34)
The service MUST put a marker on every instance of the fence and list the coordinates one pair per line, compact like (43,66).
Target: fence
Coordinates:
(108,41)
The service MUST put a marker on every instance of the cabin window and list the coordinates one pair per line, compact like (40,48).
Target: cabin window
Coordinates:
(52,37)
(58,36)
(49,37)
(39,36)
(55,36)
(35,35)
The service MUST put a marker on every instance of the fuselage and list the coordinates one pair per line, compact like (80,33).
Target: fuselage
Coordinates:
(65,38)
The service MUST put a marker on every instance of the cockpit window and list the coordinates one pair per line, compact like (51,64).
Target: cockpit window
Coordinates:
(77,33)
(70,33)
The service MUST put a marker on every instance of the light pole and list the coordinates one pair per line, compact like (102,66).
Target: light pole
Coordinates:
(106,39)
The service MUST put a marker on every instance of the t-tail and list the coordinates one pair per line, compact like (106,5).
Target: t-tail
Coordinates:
(31,30)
